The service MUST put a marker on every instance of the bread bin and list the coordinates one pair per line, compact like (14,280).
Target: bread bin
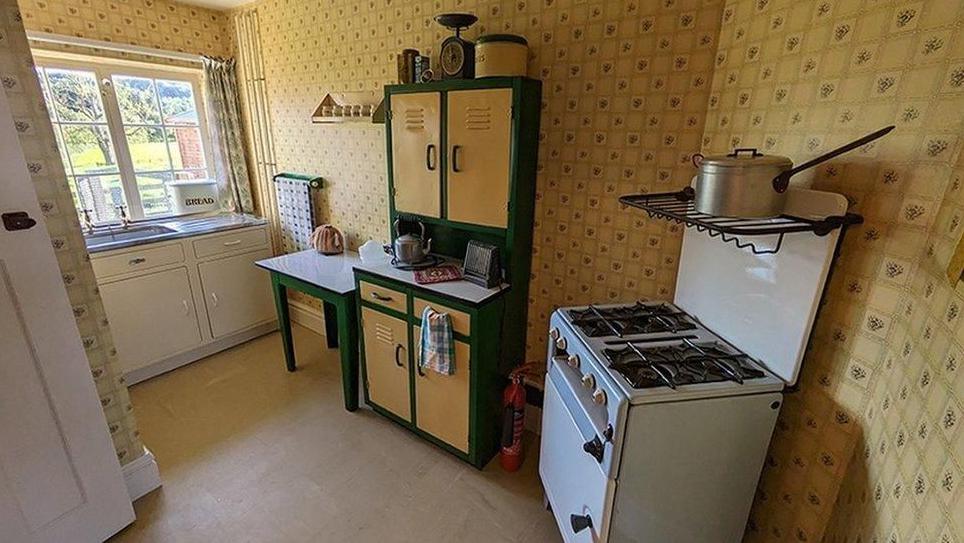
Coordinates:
(328,240)
(499,55)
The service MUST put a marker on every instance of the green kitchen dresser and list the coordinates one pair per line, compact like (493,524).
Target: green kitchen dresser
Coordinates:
(462,161)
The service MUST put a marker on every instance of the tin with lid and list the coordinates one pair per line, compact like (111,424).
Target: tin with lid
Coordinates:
(501,55)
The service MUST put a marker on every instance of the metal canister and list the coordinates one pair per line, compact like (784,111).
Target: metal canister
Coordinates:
(406,65)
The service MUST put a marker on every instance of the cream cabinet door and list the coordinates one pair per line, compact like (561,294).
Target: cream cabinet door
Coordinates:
(442,401)
(386,362)
(237,294)
(151,317)
(479,138)
(416,159)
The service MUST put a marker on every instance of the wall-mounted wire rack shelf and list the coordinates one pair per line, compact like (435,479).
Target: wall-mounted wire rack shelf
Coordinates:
(761,236)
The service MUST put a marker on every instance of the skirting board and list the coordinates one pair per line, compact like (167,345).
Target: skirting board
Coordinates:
(310,317)
(141,475)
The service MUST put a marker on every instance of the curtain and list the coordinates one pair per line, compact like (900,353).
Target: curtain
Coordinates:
(224,121)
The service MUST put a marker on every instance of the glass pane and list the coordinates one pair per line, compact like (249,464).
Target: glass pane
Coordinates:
(90,149)
(148,150)
(153,190)
(136,99)
(48,101)
(186,148)
(100,194)
(62,149)
(76,95)
(177,102)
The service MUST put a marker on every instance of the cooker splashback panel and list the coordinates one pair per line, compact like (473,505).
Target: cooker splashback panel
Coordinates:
(764,304)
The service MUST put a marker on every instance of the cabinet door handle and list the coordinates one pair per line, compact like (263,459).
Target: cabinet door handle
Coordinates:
(187,308)
(230,243)
(455,158)
(431,158)
(214,298)
(381,298)
(398,347)
(136,261)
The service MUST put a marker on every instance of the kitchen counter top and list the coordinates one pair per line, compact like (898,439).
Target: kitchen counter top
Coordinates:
(330,272)
(334,273)
(107,238)
(461,290)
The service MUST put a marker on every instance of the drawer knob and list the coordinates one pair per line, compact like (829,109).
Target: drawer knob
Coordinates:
(136,261)
(230,243)
(381,298)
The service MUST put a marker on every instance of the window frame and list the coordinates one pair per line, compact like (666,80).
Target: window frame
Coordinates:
(104,70)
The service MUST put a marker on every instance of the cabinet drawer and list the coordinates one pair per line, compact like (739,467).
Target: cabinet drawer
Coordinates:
(383,296)
(141,259)
(461,322)
(232,241)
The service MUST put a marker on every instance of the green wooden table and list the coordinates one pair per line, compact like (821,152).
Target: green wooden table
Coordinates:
(330,279)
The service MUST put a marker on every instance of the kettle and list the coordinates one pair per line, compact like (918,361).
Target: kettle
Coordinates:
(409,248)
(327,240)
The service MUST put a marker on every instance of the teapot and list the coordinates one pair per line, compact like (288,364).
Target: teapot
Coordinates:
(410,248)
(328,240)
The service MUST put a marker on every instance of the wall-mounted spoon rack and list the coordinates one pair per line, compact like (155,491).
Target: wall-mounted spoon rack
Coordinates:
(762,236)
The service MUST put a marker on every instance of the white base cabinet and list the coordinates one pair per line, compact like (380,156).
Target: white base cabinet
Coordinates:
(173,302)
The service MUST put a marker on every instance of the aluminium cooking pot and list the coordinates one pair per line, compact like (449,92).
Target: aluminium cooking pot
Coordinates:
(750,184)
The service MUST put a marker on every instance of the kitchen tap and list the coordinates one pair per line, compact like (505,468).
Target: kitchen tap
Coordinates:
(122,212)
(88,222)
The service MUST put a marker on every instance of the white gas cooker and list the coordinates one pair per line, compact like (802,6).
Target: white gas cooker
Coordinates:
(655,429)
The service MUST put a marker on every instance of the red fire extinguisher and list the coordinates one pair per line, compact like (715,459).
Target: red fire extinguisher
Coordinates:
(513,423)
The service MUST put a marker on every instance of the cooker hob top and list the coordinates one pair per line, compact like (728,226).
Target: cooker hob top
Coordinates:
(685,362)
(631,319)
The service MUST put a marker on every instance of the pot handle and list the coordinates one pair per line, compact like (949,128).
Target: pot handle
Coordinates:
(782,181)
(752,150)
(398,223)
(697,159)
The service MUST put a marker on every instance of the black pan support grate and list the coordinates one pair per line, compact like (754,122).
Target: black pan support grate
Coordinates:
(744,233)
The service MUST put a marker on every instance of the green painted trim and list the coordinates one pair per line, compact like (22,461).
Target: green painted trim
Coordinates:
(457,84)
(382,309)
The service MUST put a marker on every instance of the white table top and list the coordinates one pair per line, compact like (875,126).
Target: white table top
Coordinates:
(330,272)
(335,273)
(461,290)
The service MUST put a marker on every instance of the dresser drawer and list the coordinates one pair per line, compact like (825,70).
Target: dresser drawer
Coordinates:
(383,296)
(140,259)
(232,241)
(461,322)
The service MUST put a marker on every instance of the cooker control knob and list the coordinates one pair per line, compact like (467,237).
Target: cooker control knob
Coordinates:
(588,381)
(561,344)
(599,397)
(573,361)
(554,333)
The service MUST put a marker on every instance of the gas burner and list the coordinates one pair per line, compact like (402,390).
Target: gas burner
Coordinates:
(682,363)
(632,319)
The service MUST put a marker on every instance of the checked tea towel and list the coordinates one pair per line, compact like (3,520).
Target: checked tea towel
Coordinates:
(438,344)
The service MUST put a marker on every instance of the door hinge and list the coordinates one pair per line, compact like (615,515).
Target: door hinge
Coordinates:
(512,112)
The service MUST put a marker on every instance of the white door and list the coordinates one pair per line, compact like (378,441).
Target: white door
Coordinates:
(151,317)
(59,475)
(237,293)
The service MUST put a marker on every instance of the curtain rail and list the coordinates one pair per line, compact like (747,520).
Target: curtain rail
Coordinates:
(60,39)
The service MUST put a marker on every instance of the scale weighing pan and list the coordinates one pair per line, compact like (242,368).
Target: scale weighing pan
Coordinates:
(456,21)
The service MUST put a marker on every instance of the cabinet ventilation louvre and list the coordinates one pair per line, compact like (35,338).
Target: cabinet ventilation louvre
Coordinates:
(478,118)
(415,118)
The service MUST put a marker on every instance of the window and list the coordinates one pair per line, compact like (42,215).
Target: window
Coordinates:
(125,134)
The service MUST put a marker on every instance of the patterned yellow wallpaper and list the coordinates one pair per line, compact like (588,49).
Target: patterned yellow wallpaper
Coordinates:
(36,135)
(625,88)
(160,24)
(880,401)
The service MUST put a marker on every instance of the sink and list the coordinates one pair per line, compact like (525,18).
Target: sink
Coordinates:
(118,234)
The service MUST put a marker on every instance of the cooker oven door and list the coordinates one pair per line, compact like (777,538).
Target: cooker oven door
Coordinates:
(578,490)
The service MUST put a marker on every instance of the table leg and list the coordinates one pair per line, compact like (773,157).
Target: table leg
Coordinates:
(284,319)
(348,339)
(331,325)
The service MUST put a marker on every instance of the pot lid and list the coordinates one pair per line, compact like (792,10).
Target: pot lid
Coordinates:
(746,158)
(489,38)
